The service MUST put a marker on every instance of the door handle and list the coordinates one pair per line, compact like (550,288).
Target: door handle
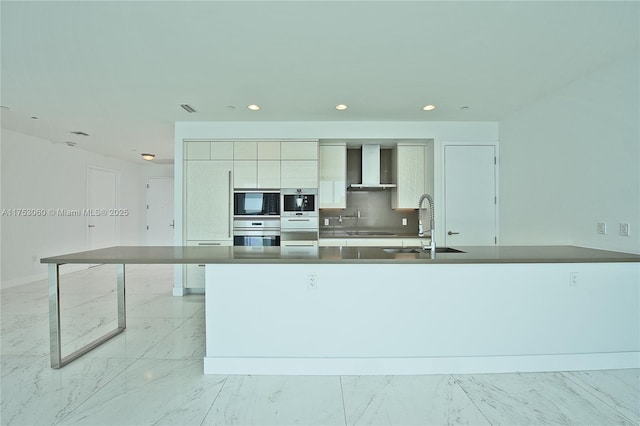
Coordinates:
(92,226)
(452,233)
(173,224)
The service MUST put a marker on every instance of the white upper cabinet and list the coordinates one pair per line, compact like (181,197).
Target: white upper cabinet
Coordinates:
(299,165)
(222,150)
(197,150)
(269,150)
(332,189)
(256,164)
(299,174)
(268,176)
(413,174)
(245,150)
(245,174)
(299,150)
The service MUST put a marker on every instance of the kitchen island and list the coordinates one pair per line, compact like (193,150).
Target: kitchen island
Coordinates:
(365,310)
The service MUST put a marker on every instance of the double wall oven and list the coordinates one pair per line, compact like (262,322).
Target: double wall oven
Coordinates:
(256,218)
(287,217)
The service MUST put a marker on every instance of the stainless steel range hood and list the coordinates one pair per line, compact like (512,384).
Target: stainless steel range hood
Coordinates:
(370,171)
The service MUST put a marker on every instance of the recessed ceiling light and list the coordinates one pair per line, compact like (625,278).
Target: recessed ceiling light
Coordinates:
(188,108)
(231,107)
(79,133)
(429,107)
(341,107)
(33,117)
(464,107)
(254,107)
(69,143)
(148,157)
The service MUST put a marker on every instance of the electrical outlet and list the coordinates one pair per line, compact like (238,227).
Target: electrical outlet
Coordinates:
(602,228)
(624,229)
(573,279)
(326,222)
(312,280)
(404,221)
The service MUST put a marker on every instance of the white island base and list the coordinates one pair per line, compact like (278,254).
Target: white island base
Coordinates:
(368,318)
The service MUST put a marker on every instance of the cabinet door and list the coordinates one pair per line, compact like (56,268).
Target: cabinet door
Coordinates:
(269,174)
(245,174)
(222,150)
(197,150)
(268,150)
(299,174)
(332,189)
(411,178)
(207,200)
(245,150)
(299,150)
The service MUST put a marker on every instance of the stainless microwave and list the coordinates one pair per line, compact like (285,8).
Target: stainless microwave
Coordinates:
(299,202)
(256,203)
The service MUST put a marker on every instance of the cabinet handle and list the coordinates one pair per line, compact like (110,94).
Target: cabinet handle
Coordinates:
(92,226)
(452,233)
(209,244)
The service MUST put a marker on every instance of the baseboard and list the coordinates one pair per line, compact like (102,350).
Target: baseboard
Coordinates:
(416,366)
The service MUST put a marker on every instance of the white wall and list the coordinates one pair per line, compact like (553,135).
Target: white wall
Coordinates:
(572,159)
(37,174)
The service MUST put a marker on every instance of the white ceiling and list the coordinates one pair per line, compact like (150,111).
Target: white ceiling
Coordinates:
(119,70)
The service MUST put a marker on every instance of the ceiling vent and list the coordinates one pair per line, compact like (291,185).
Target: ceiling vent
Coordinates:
(188,108)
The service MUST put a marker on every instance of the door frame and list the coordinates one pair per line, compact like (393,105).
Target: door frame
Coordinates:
(118,196)
(441,212)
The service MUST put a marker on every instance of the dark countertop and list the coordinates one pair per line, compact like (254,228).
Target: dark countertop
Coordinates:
(209,254)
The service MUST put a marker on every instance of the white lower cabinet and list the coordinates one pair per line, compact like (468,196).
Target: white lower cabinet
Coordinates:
(194,274)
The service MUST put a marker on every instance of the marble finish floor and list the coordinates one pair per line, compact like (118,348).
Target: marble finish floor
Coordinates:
(152,373)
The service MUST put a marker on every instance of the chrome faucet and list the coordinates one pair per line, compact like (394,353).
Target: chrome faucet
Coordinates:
(432,245)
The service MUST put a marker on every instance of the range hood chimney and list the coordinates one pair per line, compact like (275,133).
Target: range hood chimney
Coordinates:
(370,171)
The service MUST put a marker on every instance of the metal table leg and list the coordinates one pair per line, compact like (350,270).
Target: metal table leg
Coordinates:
(57,360)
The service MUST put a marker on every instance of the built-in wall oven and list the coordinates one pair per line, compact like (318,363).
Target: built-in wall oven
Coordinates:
(256,218)
(299,221)
(256,232)
(299,202)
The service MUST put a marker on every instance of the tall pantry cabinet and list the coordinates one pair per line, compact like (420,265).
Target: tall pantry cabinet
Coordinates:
(208,198)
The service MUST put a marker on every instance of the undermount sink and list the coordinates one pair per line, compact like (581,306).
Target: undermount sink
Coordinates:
(396,250)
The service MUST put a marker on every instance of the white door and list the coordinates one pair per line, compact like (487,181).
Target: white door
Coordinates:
(160,223)
(470,195)
(102,205)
